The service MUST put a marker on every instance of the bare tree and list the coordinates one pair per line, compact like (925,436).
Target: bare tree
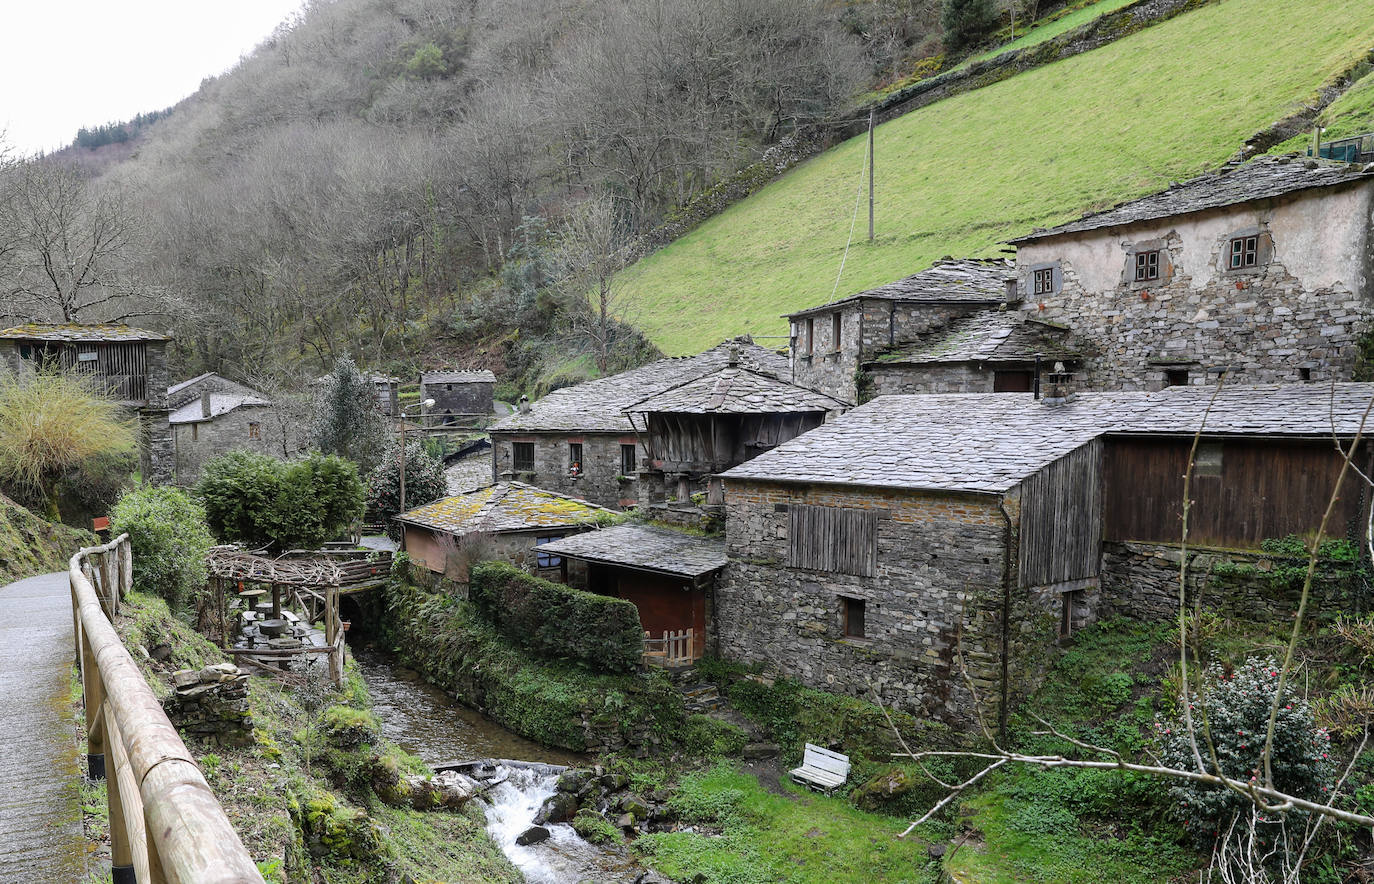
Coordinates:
(592,247)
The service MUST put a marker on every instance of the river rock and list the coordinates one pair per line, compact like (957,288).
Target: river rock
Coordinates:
(533,835)
(573,779)
(454,788)
(558,808)
(626,821)
(184,678)
(761,750)
(635,806)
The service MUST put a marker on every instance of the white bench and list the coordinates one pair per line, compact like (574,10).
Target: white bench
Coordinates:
(821,769)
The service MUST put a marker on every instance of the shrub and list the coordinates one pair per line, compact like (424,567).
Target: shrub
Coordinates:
(258,500)
(1236,708)
(345,418)
(707,737)
(553,620)
(967,22)
(425,483)
(169,539)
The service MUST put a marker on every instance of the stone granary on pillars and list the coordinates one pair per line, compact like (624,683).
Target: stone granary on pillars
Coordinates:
(510,521)
(1265,268)
(579,440)
(669,575)
(460,397)
(831,343)
(880,546)
(131,363)
(212,415)
(705,426)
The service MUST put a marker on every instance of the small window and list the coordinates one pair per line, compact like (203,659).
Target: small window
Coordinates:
(852,612)
(1176,377)
(1207,461)
(448,388)
(195,432)
(1044,281)
(628,460)
(835,331)
(574,459)
(810,335)
(1013,381)
(1242,252)
(522,455)
(547,560)
(1067,602)
(254,431)
(1147,266)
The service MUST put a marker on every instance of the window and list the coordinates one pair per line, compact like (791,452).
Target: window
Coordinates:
(1176,377)
(448,388)
(254,431)
(574,459)
(1242,252)
(835,331)
(810,335)
(1146,266)
(1207,462)
(522,455)
(1043,281)
(547,560)
(1013,381)
(195,432)
(1067,601)
(852,615)
(629,464)
(830,538)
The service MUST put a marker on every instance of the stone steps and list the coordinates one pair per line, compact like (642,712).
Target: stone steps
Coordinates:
(702,698)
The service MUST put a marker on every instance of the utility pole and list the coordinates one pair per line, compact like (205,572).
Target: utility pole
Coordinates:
(870,174)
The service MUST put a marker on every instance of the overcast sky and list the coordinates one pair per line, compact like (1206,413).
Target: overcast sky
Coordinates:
(65,64)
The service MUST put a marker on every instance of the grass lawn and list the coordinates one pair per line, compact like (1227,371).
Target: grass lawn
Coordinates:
(1351,114)
(797,837)
(958,176)
(1055,27)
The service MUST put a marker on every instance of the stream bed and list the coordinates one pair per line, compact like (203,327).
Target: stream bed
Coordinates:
(424,720)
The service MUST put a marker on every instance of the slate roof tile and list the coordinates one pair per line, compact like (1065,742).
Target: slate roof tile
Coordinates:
(976,280)
(505,506)
(457,377)
(989,336)
(73,333)
(645,547)
(220,403)
(733,390)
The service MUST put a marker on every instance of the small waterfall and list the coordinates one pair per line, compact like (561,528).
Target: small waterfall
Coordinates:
(564,857)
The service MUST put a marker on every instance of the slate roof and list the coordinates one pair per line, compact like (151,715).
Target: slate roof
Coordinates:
(599,406)
(733,390)
(177,388)
(220,403)
(989,442)
(73,333)
(972,280)
(988,336)
(457,377)
(470,473)
(1264,177)
(505,506)
(645,548)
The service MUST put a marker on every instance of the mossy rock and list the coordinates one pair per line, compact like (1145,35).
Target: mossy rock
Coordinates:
(882,791)
(595,828)
(347,728)
(333,830)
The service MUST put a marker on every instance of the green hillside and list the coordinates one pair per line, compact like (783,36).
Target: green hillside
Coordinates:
(957,177)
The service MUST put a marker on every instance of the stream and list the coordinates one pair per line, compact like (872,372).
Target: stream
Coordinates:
(424,720)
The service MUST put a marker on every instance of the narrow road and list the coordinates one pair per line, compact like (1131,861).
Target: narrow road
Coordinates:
(40,792)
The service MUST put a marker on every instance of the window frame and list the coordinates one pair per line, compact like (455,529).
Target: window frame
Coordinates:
(631,466)
(254,430)
(849,607)
(1248,252)
(517,463)
(577,464)
(810,336)
(1253,246)
(547,560)
(1045,278)
(836,325)
(1147,267)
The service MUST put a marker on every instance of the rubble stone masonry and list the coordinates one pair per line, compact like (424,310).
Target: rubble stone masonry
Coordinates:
(601,481)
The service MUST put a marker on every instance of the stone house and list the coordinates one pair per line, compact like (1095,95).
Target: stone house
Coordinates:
(1266,269)
(459,396)
(579,441)
(212,415)
(130,362)
(509,521)
(669,575)
(876,547)
(706,425)
(831,344)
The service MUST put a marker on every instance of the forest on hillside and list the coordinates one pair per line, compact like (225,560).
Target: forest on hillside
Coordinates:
(392,177)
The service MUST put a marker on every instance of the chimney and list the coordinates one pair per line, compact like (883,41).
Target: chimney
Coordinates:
(1060,386)
(732,359)
(524,406)
(205,404)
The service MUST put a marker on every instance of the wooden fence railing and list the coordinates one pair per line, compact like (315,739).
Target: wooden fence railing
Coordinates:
(673,649)
(166,827)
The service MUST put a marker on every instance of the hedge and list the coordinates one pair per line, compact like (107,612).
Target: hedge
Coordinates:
(557,621)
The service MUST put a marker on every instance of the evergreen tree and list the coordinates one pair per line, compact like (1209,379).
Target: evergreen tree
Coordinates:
(967,23)
(425,483)
(346,419)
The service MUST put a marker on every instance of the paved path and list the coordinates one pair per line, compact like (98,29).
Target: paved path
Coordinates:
(40,793)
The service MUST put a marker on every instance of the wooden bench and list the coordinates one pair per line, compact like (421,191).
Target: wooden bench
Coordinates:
(821,769)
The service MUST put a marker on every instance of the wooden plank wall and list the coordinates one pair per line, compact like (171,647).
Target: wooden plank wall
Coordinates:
(831,538)
(1266,488)
(1061,519)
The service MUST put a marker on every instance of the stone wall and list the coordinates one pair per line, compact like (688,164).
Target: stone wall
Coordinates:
(600,481)
(886,378)
(195,443)
(1140,580)
(938,584)
(474,397)
(212,703)
(1297,317)
(451,558)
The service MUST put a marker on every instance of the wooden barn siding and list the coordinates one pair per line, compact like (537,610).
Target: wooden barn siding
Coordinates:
(1267,488)
(712,442)
(1061,519)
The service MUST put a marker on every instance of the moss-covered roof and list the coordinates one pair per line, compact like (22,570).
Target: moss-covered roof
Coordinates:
(505,506)
(74,333)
